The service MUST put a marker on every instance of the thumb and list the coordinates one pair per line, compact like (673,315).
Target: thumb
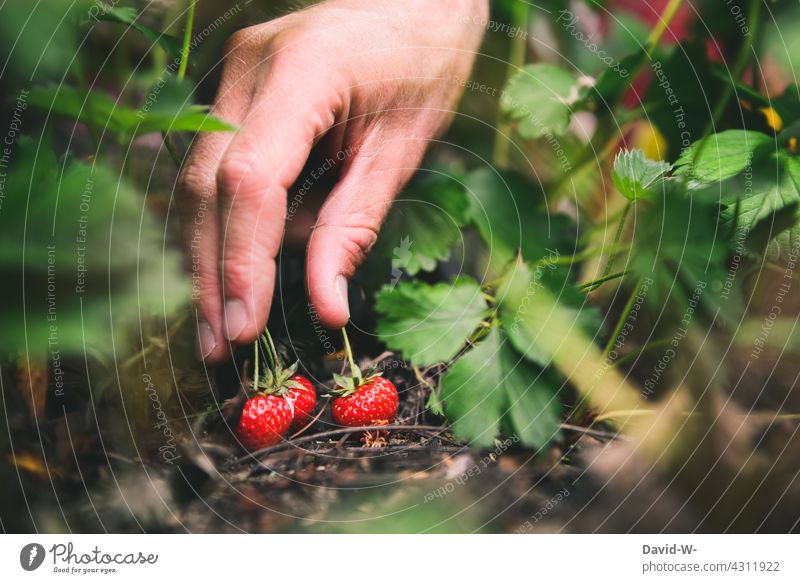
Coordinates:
(349,221)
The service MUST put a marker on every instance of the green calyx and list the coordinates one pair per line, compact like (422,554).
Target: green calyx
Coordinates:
(277,378)
(349,384)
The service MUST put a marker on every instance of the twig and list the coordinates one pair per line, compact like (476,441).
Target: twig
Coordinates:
(380,358)
(592,432)
(335,432)
(314,420)
(402,447)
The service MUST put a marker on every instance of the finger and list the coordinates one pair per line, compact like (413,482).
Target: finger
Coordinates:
(197,200)
(259,166)
(349,221)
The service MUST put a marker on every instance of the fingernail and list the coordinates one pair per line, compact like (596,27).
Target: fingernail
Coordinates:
(206,342)
(341,291)
(235,319)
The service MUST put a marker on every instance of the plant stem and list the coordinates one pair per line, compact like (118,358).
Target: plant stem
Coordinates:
(617,237)
(272,354)
(350,358)
(171,149)
(272,346)
(577,258)
(255,365)
(628,413)
(187,38)
(739,65)
(621,322)
(660,28)
(639,351)
(516,58)
(593,285)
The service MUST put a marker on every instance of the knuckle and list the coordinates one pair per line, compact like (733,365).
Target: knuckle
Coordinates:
(238,41)
(208,284)
(238,274)
(234,171)
(355,244)
(289,43)
(247,272)
(194,183)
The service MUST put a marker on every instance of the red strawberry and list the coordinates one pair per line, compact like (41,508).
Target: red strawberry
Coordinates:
(373,402)
(265,420)
(282,400)
(304,398)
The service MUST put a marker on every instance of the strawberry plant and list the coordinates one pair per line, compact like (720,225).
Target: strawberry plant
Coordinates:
(603,245)
(543,296)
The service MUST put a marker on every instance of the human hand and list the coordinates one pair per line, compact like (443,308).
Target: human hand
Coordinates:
(369,81)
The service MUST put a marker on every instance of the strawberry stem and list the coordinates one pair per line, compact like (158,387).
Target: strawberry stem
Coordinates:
(255,365)
(349,353)
(271,352)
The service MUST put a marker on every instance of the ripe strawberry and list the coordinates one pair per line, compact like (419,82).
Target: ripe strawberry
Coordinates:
(265,420)
(372,402)
(305,399)
(282,400)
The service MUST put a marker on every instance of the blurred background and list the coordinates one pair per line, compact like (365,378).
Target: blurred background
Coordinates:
(110,424)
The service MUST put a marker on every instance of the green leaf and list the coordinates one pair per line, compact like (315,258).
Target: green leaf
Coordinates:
(429,323)
(130,16)
(511,216)
(539,323)
(540,97)
(766,199)
(80,245)
(778,228)
(722,156)
(434,405)
(492,383)
(95,109)
(634,175)
(168,108)
(423,225)
(541,279)
(757,183)
(37,43)
(681,246)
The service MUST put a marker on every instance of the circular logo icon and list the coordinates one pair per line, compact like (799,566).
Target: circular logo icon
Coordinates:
(31,556)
